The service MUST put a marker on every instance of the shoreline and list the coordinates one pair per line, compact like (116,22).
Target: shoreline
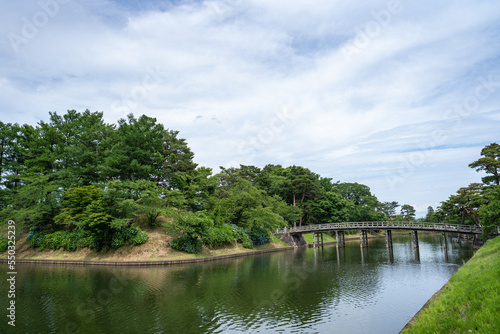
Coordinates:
(167,262)
(148,262)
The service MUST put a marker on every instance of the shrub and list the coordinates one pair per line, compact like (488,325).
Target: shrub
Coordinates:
(242,236)
(84,238)
(54,240)
(4,243)
(68,240)
(246,241)
(118,239)
(136,236)
(37,239)
(80,238)
(258,236)
(186,244)
(217,236)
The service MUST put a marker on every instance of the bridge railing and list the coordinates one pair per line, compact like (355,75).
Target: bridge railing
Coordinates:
(458,228)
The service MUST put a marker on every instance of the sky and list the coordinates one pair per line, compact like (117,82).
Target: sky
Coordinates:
(398,95)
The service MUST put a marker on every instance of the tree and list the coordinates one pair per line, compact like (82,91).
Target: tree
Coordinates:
(82,143)
(407,212)
(9,161)
(490,212)
(357,193)
(330,207)
(301,184)
(362,205)
(489,163)
(462,208)
(177,161)
(136,151)
(431,215)
(388,209)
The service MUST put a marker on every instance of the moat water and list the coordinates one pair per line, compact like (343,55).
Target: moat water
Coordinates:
(322,290)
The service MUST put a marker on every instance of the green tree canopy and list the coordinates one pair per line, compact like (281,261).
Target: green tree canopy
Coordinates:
(136,150)
(489,163)
(388,209)
(362,205)
(431,215)
(407,212)
(462,207)
(490,212)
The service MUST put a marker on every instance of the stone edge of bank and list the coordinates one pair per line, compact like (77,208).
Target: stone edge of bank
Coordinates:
(146,262)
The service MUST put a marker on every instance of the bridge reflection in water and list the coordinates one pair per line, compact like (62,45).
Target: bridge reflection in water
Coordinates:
(294,235)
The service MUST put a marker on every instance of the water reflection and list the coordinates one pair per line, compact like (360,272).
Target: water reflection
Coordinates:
(352,289)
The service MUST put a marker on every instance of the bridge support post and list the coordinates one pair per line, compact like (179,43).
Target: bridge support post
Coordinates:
(317,239)
(415,239)
(445,241)
(390,254)
(363,238)
(388,238)
(339,237)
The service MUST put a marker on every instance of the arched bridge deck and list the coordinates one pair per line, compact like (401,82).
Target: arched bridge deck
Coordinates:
(388,225)
(293,235)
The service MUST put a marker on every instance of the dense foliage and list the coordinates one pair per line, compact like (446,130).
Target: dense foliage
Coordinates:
(80,182)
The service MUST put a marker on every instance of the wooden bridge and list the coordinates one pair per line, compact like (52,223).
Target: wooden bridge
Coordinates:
(293,235)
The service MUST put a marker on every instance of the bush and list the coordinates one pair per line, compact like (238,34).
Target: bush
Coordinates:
(68,240)
(72,240)
(186,244)
(258,236)
(37,238)
(4,243)
(246,241)
(118,239)
(54,240)
(136,236)
(242,236)
(218,236)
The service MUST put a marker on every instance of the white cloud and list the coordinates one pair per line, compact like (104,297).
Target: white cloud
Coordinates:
(238,63)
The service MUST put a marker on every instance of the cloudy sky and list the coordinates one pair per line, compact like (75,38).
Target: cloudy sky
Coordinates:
(398,95)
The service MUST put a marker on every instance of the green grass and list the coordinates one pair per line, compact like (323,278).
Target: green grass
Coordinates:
(326,238)
(470,301)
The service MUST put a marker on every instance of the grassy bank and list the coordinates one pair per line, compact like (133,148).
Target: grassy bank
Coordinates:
(469,302)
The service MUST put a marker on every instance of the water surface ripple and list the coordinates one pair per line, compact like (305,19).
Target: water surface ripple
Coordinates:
(325,290)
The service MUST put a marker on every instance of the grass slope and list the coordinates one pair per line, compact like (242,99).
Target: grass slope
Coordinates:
(469,302)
